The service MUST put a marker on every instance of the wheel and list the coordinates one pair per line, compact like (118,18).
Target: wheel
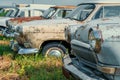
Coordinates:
(54,49)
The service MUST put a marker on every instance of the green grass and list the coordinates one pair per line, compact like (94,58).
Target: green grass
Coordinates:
(5,38)
(33,67)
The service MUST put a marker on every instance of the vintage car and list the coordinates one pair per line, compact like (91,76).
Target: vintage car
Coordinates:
(50,39)
(53,12)
(93,11)
(24,10)
(95,51)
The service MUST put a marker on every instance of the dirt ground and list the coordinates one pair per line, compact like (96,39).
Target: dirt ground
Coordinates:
(5,64)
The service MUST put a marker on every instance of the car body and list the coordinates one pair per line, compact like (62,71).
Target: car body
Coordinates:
(95,51)
(53,12)
(101,10)
(51,32)
(44,29)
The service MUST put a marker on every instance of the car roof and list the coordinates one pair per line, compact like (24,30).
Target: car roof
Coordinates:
(65,7)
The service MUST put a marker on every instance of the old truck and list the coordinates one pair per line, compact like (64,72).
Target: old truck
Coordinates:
(24,10)
(54,12)
(50,39)
(95,51)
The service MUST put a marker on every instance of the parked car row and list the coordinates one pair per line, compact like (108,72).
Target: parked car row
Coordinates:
(95,45)
(23,10)
(87,38)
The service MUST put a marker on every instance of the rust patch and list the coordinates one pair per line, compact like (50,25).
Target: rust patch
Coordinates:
(26,19)
(65,7)
(65,73)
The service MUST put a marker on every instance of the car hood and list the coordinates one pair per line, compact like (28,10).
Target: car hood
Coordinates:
(110,29)
(19,20)
(48,22)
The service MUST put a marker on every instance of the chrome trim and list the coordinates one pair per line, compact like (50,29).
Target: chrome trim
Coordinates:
(15,47)
(27,51)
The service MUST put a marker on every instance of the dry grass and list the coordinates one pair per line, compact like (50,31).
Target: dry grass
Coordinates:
(4,42)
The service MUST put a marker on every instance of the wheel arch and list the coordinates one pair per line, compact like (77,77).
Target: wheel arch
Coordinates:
(63,42)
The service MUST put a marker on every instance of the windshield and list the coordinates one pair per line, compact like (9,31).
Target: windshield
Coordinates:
(48,13)
(8,13)
(82,12)
(5,12)
(14,12)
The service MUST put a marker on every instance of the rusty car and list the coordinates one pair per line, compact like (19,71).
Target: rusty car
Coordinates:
(23,10)
(50,39)
(53,12)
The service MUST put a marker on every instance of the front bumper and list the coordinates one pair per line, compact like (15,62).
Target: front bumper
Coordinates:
(8,34)
(15,47)
(82,73)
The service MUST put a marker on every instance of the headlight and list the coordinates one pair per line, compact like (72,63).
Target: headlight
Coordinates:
(95,40)
(19,29)
(7,23)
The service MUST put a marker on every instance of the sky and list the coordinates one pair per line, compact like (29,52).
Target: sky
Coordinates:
(55,2)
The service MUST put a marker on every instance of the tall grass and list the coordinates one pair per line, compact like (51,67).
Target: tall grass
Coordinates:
(33,67)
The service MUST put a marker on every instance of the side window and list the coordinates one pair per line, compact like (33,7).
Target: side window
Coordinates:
(25,13)
(84,14)
(62,13)
(111,11)
(65,13)
(22,14)
(99,14)
(59,15)
(36,12)
(108,11)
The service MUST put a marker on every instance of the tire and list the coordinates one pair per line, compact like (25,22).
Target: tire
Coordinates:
(54,49)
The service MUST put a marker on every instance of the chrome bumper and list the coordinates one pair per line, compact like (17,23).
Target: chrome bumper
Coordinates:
(15,47)
(6,34)
(69,69)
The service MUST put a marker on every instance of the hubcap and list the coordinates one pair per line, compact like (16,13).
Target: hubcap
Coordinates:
(54,52)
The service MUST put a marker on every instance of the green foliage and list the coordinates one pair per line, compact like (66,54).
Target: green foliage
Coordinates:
(5,38)
(34,66)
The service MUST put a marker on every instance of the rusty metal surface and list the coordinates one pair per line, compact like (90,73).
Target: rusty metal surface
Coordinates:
(65,7)
(37,32)
(25,19)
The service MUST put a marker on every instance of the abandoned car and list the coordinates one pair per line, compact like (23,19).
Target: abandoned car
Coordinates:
(53,12)
(50,37)
(95,51)
(23,10)
(92,11)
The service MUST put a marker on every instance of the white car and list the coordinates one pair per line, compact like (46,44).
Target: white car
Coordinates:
(24,10)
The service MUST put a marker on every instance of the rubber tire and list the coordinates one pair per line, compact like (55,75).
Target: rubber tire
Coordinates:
(52,45)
